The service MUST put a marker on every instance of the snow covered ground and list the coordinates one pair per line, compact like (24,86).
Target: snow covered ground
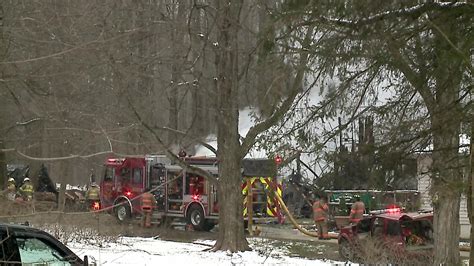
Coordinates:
(153,251)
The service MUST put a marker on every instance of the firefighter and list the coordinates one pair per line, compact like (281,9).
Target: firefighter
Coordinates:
(357,210)
(107,189)
(92,195)
(148,202)
(26,190)
(11,189)
(320,214)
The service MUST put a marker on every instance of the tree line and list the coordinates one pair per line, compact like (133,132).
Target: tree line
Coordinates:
(82,80)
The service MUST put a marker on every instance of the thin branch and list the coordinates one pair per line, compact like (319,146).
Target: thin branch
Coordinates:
(255,130)
(167,151)
(46,159)
(80,46)
(455,48)
(209,147)
(411,12)
(25,123)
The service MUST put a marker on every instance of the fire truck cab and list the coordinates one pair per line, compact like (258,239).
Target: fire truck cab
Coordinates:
(178,193)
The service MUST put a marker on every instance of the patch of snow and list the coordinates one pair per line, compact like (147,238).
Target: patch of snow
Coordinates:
(464,142)
(72,187)
(150,251)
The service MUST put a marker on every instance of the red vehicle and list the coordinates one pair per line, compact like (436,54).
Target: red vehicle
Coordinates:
(178,193)
(405,235)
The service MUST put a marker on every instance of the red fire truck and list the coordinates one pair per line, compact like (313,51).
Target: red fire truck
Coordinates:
(182,194)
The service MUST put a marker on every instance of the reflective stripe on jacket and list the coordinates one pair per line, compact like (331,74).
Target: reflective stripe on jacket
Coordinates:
(93,193)
(357,211)
(27,190)
(320,211)
(11,187)
(147,200)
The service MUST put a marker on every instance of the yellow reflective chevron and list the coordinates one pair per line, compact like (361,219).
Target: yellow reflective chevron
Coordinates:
(245,190)
(271,187)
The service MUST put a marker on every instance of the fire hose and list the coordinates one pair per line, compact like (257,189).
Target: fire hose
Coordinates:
(293,220)
(314,234)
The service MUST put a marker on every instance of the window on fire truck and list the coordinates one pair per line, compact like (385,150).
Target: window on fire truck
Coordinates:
(157,176)
(194,184)
(137,176)
(175,187)
(109,173)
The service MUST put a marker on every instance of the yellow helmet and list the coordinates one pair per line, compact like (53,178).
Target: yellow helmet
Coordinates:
(11,180)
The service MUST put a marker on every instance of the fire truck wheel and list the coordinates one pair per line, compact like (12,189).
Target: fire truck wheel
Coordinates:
(196,218)
(122,212)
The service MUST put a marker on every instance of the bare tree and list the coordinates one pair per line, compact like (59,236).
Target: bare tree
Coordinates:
(95,82)
(420,55)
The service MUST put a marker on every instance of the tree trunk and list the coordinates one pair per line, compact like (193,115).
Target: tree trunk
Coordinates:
(177,36)
(3,166)
(447,175)
(447,180)
(231,226)
(3,49)
(63,171)
(470,196)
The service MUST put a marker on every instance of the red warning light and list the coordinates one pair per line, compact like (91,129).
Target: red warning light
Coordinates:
(392,209)
(278,160)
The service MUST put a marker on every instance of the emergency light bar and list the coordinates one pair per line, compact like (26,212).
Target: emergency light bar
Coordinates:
(391,210)
(115,160)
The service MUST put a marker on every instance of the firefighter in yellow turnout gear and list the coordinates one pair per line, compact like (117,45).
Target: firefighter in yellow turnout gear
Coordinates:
(92,195)
(26,190)
(11,189)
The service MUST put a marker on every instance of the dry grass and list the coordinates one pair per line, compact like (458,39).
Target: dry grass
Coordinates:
(89,236)
(375,252)
(84,227)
